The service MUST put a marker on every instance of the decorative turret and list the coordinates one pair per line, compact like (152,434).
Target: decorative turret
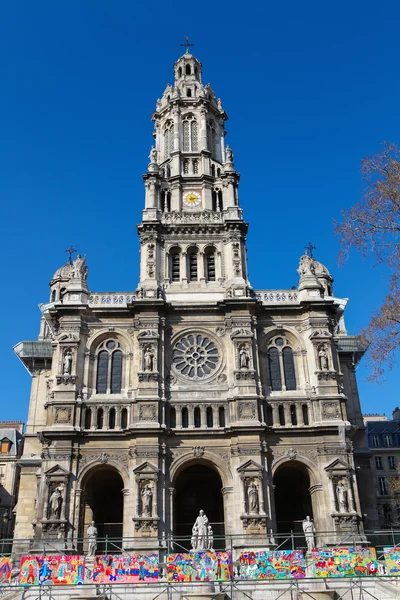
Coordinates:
(68,284)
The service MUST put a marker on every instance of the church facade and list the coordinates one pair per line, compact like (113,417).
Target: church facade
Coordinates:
(193,391)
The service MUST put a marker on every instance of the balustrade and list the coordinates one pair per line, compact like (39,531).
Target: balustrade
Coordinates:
(105,417)
(203,416)
(288,414)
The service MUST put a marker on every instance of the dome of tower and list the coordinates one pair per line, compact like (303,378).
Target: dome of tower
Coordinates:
(64,272)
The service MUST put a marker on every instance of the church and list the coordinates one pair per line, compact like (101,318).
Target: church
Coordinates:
(193,391)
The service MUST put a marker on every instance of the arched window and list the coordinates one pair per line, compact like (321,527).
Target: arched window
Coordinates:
(168,140)
(88,418)
(124,418)
(221,416)
(111,419)
(270,418)
(214,200)
(190,134)
(192,264)
(211,139)
(209,256)
(305,414)
(293,414)
(282,371)
(189,92)
(175,261)
(188,70)
(185,417)
(109,368)
(100,417)
(172,417)
(213,170)
(180,71)
(195,167)
(53,296)
(197,417)
(281,415)
(210,419)
(185,167)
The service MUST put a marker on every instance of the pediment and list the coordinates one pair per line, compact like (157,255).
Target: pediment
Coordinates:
(322,334)
(338,465)
(149,334)
(57,471)
(146,468)
(241,334)
(250,465)
(6,439)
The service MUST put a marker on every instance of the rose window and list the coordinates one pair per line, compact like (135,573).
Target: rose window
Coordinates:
(195,356)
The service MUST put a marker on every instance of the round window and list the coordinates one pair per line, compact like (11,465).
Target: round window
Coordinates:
(195,356)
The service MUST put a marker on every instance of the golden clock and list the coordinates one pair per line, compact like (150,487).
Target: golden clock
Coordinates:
(192,198)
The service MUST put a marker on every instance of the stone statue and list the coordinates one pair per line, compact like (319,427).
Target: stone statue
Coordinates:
(306,266)
(210,539)
(323,359)
(153,155)
(79,268)
(244,357)
(252,497)
(309,533)
(55,504)
(147,497)
(200,531)
(148,360)
(342,495)
(67,362)
(92,535)
(228,154)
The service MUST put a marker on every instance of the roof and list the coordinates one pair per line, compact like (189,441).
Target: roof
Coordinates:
(14,436)
(379,427)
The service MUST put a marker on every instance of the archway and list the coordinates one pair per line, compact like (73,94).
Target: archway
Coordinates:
(102,502)
(292,497)
(199,487)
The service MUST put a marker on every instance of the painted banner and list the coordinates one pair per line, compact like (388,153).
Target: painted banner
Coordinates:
(5,569)
(35,570)
(392,560)
(125,568)
(344,562)
(199,566)
(281,564)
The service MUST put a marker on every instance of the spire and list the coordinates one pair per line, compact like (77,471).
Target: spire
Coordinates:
(187,45)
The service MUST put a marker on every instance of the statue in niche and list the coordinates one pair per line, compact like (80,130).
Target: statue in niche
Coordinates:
(92,536)
(323,359)
(252,498)
(244,357)
(79,268)
(148,359)
(199,532)
(55,504)
(67,362)
(309,533)
(228,153)
(147,497)
(210,539)
(342,495)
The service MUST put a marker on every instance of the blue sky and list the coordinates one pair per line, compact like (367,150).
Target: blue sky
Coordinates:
(309,87)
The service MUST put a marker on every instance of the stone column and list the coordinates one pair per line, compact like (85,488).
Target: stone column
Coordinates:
(215,416)
(154,508)
(126,512)
(299,413)
(178,412)
(176,129)
(118,418)
(191,417)
(200,267)
(203,416)
(182,266)
(137,503)
(203,129)
(275,415)
(171,491)
(288,419)
(64,496)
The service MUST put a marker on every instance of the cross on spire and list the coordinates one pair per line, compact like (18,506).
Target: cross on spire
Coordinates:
(186,44)
(310,248)
(70,251)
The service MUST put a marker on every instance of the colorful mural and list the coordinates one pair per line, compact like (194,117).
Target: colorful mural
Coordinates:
(199,566)
(282,564)
(392,560)
(125,568)
(5,569)
(34,570)
(344,562)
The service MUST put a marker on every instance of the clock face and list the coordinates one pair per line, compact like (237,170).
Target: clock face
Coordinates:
(192,198)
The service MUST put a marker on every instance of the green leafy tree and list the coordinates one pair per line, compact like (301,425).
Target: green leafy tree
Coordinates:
(372,226)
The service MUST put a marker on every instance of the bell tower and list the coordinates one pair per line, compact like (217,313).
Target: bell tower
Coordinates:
(192,232)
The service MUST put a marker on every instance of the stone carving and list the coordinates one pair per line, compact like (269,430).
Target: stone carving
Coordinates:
(309,533)
(220,331)
(63,415)
(104,458)
(306,266)
(244,356)
(153,156)
(147,499)
(79,268)
(67,362)
(198,451)
(252,498)
(292,453)
(228,154)
(342,496)
(147,412)
(205,216)
(330,410)
(55,504)
(323,358)
(195,356)
(92,537)
(210,539)
(222,378)
(247,411)
(148,359)
(200,533)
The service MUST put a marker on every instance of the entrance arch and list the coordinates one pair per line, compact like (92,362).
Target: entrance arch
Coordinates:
(102,502)
(199,487)
(292,497)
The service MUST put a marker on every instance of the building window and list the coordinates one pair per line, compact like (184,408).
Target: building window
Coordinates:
(211,139)
(100,417)
(281,365)
(124,418)
(111,418)
(192,263)
(5,446)
(168,140)
(185,418)
(195,167)
(190,134)
(175,264)
(185,167)
(382,486)
(392,462)
(375,441)
(281,413)
(109,368)
(293,414)
(378,463)
(188,70)
(210,264)
(88,418)
(221,416)
(305,414)
(172,417)
(387,440)
(210,420)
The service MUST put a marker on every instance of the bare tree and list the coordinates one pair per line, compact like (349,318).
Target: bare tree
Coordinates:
(372,226)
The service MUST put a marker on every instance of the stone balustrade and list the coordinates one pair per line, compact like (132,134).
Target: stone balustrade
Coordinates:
(111,299)
(105,416)
(202,416)
(277,296)
(289,414)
